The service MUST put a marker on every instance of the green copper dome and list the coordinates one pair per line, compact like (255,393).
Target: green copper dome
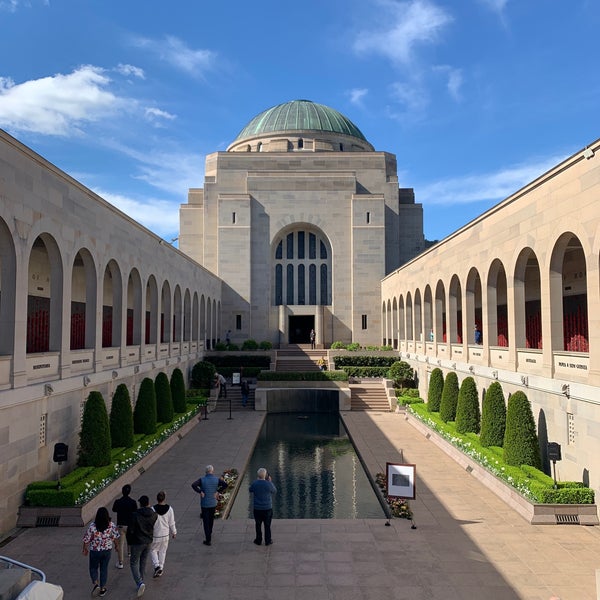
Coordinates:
(299,115)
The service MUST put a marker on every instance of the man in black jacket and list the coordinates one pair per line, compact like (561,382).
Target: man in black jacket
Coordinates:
(139,537)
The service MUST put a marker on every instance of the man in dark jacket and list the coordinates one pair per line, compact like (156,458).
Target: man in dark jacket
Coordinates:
(124,507)
(209,487)
(139,537)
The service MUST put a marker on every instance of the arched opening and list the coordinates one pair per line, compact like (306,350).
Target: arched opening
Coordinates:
(395,324)
(195,318)
(187,316)
(134,309)
(474,304)
(83,301)
(177,314)
(7,291)
(401,319)
(440,312)
(455,311)
(409,318)
(497,305)
(112,291)
(165,313)
(418,317)
(151,310)
(528,303)
(428,314)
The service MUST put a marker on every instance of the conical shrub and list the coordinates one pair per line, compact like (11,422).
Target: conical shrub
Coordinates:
(203,375)
(94,438)
(521,446)
(449,398)
(467,409)
(144,413)
(121,418)
(434,393)
(493,416)
(164,402)
(178,391)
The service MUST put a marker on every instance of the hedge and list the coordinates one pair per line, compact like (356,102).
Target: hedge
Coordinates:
(94,437)
(449,398)
(164,401)
(521,446)
(178,391)
(144,414)
(467,407)
(493,416)
(121,418)
(303,376)
(363,361)
(203,375)
(434,393)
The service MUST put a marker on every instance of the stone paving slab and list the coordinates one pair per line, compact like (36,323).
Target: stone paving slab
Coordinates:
(468,544)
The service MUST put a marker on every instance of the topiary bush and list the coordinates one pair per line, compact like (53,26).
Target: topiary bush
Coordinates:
(401,372)
(94,437)
(144,413)
(265,345)
(250,344)
(449,398)
(178,391)
(434,393)
(164,402)
(493,416)
(121,418)
(468,418)
(203,375)
(521,446)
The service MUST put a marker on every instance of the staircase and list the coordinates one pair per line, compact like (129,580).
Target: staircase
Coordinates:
(369,395)
(234,394)
(299,358)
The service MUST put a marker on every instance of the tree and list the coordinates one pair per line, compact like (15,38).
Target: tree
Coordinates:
(94,438)
(178,391)
(449,398)
(144,413)
(434,393)
(400,372)
(203,375)
(521,446)
(121,418)
(493,417)
(164,401)
(467,407)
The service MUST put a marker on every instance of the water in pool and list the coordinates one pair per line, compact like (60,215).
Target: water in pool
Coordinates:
(314,467)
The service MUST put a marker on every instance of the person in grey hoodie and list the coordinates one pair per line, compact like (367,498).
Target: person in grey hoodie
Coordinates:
(163,528)
(139,537)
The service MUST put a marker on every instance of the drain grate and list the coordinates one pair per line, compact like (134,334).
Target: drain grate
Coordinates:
(47,521)
(567,519)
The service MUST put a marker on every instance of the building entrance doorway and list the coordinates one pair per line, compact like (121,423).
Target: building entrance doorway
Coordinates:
(299,327)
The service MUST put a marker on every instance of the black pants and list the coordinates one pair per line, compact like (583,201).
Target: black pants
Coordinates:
(260,517)
(208,519)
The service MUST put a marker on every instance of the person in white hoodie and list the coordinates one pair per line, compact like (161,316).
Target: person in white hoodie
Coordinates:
(164,527)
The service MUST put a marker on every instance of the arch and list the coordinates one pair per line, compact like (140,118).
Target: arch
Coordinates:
(395,323)
(151,310)
(527,300)
(8,286)
(165,313)
(428,314)
(177,314)
(134,308)
(112,293)
(203,334)
(409,317)
(497,305)
(195,317)
(568,295)
(401,318)
(187,315)
(440,312)
(418,316)
(209,331)
(45,296)
(83,301)
(455,321)
(474,306)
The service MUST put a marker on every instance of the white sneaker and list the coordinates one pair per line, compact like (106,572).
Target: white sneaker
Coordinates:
(119,565)
(141,589)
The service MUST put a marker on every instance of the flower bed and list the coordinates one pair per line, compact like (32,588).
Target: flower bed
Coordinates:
(398,506)
(230,476)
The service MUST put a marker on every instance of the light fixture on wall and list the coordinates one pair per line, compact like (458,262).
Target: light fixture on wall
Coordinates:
(525,380)
(495,374)
(566,390)
(136,369)
(115,374)
(86,380)
(471,368)
(48,389)
(588,153)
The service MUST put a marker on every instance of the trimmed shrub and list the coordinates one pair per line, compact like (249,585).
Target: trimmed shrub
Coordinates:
(493,416)
(401,372)
(144,413)
(434,393)
(265,345)
(121,418)
(220,346)
(363,361)
(178,391)
(467,407)
(521,446)
(449,398)
(94,438)
(250,344)
(164,402)
(203,375)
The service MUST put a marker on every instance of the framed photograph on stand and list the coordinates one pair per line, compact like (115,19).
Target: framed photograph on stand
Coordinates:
(400,480)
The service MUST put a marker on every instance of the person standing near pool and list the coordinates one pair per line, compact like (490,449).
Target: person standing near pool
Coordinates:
(209,487)
(262,490)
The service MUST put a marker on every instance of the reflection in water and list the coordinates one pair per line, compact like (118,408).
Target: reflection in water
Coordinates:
(314,467)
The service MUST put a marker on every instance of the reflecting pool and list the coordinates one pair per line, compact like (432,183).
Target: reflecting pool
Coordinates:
(314,467)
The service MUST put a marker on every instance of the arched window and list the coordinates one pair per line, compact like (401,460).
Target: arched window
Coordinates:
(300,144)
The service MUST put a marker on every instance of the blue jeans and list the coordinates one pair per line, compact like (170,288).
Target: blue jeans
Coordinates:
(263,517)
(99,560)
(137,561)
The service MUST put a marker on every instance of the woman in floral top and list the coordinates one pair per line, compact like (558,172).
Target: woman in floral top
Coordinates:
(98,543)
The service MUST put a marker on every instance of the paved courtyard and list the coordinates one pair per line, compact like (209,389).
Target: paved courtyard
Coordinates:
(467,545)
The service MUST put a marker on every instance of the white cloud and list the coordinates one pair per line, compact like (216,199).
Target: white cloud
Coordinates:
(158,215)
(404,26)
(128,70)
(155,115)
(486,186)
(454,80)
(57,105)
(9,5)
(496,5)
(412,97)
(175,52)
(357,95)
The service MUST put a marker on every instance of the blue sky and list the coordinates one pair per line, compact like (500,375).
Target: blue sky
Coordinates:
(474,97)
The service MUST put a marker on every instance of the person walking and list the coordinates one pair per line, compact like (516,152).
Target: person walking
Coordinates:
(245,389)
(209,487)
(262,490)
(312,339)
(124,507)
(98,544)
(163,528)
(222,383)
(139,537)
